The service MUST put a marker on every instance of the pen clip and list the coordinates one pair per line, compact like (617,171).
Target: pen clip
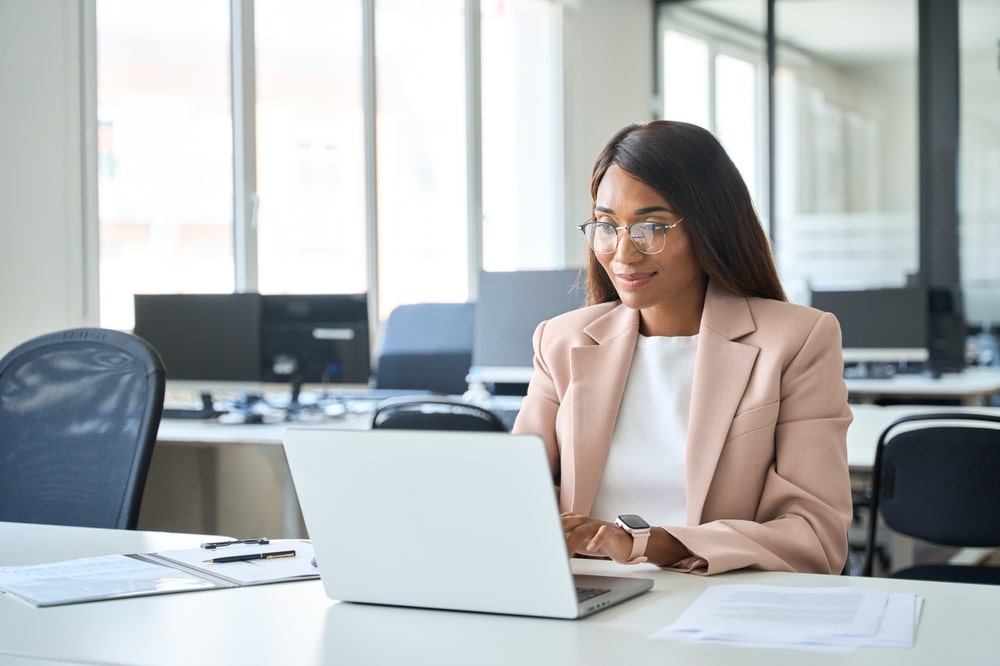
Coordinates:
(211,545)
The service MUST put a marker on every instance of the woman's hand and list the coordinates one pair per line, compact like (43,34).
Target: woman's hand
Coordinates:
(596,538)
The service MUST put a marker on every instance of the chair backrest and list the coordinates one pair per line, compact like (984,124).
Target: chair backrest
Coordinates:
(427,347)
(434,413)
(937,477)
(79,412)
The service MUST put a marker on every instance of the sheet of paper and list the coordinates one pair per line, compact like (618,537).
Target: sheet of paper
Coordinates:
(836,619)
(95,578)
(252,571)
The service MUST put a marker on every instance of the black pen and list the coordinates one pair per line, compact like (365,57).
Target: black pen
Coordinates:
(251,556)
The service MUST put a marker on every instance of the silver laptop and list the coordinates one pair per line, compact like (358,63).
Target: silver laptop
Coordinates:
(440,519)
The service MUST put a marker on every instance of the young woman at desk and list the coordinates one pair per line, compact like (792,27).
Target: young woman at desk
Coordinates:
(688,394)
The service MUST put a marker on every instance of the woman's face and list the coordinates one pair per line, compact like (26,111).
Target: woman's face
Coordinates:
(668,288)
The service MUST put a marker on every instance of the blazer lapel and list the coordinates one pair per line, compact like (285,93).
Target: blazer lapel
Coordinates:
(599,373)
(721,373)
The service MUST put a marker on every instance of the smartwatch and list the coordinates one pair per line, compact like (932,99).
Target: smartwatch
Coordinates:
(639,529)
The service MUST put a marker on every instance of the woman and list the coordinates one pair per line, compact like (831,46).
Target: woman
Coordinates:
(688,391)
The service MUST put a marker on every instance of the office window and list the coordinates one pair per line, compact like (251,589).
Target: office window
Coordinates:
(310,147)
(523,211)
(165,151)
(714,75)
(423,248)
(166,154)
(686,78)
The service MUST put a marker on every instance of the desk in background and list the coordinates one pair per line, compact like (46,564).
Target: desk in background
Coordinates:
(226,479)
(234,480)
(862,439)
(295,623)
(973,386)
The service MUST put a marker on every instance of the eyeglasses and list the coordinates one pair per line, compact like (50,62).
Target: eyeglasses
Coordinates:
(648,237)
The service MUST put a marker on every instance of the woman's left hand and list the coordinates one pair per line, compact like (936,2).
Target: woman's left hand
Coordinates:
(596,538)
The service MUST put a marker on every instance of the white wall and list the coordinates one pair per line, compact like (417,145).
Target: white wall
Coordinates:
(45,227)
(42,282)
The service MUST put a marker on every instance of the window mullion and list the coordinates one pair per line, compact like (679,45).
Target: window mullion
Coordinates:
(245,201)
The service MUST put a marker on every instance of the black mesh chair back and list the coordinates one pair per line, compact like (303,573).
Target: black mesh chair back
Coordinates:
(79,411)
(426,347)
(937,478)
(434,413)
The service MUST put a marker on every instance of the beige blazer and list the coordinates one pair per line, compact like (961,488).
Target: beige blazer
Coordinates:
(766,463)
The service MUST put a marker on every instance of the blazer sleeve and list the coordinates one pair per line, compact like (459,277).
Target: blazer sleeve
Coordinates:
(541,405)
(805,506)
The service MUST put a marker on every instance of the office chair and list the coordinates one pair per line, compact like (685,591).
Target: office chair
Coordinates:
(79,412)
(937,478)
(426,347)
(434,413)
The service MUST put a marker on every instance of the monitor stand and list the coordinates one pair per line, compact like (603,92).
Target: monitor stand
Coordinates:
(206,412)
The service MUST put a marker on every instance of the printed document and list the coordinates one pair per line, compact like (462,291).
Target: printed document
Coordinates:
(139,574)
(834,618)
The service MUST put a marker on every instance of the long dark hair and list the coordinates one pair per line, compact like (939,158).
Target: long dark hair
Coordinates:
(689,168)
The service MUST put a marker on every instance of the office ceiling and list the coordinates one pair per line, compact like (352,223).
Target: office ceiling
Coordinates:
(851,31)
(858,32)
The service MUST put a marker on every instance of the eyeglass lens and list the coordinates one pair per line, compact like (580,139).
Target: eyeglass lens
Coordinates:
(648,237)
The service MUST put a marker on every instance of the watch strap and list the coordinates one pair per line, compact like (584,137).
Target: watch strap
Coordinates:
(638,554)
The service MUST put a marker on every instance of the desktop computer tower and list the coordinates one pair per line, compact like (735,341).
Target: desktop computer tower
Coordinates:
(946,329)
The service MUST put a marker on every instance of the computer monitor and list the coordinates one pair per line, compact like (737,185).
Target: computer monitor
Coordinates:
(887,325)
(509,307)
(208,342)
(315,339)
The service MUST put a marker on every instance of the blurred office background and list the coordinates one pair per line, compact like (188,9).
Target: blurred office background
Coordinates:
(400,147)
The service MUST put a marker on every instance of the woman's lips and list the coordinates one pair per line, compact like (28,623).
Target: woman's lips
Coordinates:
(633,280)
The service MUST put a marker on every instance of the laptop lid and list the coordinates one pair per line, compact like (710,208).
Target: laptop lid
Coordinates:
(439,519)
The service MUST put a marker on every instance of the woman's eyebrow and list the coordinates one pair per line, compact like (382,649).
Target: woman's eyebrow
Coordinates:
(639,211)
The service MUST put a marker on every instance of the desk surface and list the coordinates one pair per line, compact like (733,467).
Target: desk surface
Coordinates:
(870,420)
(296,623)
(971,385)
(861,437)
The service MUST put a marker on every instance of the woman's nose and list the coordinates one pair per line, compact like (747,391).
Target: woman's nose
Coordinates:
(626,251)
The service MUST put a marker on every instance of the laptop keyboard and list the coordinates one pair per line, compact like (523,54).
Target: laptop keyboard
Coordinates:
(585,593)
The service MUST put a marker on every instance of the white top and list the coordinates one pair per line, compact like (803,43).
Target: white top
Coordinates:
(644,472)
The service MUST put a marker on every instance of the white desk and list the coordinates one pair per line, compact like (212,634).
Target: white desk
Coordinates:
(295,623)
(974,386)
(862,438)
(234,479)
(231,479)
(870,420)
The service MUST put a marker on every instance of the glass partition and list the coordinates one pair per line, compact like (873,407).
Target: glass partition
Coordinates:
(845,215)
(979,164)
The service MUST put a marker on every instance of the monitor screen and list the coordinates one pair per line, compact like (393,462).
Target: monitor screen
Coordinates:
(509,307)
(879,325)
(315,339)
(209,339)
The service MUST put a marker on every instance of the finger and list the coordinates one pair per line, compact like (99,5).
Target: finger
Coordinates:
(571,521)
(578,538)
(608,541)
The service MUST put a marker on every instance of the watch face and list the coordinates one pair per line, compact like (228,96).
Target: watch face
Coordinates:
(633,522)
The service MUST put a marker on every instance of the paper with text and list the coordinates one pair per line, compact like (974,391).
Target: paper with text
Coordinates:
(837,618)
